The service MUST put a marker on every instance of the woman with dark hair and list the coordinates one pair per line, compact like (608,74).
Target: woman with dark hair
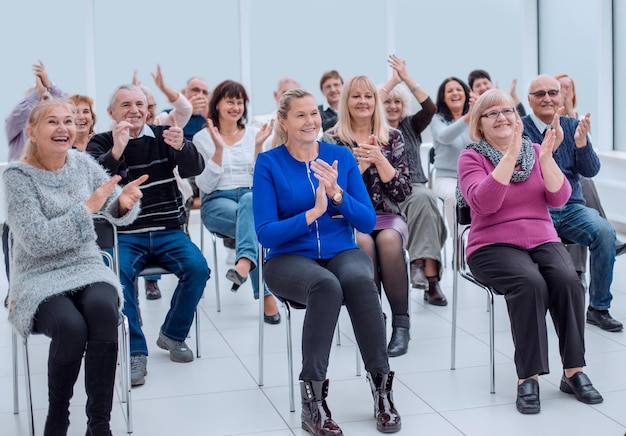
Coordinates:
(230,147)
(450,132)
(379,151)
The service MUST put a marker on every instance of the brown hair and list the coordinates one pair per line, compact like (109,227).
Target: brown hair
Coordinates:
(77,98)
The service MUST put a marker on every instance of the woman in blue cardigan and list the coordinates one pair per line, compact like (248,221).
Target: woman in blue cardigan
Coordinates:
(308,197)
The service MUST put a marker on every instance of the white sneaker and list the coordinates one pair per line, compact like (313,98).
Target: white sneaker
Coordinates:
(230,259)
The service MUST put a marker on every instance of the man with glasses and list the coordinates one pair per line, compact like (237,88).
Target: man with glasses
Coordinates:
(575,221)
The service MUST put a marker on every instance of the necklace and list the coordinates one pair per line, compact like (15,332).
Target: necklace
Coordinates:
(231,134)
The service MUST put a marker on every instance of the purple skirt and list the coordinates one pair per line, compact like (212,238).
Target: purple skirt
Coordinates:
(385,220)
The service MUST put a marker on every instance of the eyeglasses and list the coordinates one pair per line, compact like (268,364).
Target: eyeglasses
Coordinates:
(542,94)
(507,112)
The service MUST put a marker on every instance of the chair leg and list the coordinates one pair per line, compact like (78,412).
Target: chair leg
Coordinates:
(29,398)
(492,351)
(197,317)
(124,356)
(16,401)
(216,274)
(292,405)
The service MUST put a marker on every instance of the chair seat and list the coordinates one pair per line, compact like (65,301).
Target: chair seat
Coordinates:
(153,270)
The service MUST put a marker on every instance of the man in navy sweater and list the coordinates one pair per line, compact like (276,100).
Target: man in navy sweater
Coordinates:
(132,149)
(575,221)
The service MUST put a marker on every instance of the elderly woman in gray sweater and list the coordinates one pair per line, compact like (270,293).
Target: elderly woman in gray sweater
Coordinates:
(59,285)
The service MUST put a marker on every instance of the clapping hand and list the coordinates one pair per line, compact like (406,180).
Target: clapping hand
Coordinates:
(131,194)
(174,135)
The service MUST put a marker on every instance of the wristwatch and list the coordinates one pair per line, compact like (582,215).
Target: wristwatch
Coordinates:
(337,198)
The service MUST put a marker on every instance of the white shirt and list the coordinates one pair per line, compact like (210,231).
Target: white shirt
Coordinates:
(237,166)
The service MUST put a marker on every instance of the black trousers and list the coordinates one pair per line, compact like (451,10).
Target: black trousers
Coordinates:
(323,286)
(536,281)
(74,318)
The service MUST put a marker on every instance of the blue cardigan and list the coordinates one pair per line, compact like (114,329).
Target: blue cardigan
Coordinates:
(284,190)
(574,162)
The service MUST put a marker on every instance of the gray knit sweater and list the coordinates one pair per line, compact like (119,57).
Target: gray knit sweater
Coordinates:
(54,241)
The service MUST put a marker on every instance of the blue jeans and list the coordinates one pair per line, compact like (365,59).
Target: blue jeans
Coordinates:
(175,251)
(229,213)
(584,226)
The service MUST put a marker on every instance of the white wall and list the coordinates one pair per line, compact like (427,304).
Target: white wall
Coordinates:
(92,46)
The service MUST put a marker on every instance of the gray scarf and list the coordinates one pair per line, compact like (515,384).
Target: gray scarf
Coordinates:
(525,160)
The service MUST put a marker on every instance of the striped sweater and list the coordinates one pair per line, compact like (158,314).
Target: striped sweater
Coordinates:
(162,205)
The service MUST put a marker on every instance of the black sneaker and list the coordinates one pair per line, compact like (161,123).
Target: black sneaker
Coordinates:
(604,320)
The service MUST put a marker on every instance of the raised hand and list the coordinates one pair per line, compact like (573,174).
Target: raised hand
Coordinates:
(399,66)
(547,148)
(174,136)
(136,81)
(40,71)
(513,92)
(321,201)
(584,127)
(516,141)
(97,199)
(264,133)
(216,136)
(121,135)
(158,78)
(131,194)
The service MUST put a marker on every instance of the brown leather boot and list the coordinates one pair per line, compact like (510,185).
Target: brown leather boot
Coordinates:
(316,416)
(418,277)
(387,417)
(434,295)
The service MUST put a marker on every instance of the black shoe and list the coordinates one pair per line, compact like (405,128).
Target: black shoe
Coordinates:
(604,320)
(272,319)
(152,290)
(580,386)
(399,343)
(528,397)
(236,278)
(620,248)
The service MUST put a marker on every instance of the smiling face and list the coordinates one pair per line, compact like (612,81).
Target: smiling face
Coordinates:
(332,91)
(54,132)
(544,106)
(303,120)
(230,109)
(84,119)
(361,102)
(499,129)
(394,107)
(130,105)
(481,85)
(454,97)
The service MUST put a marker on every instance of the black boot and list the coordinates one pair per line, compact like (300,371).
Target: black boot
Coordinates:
(316,418)
(387,417)
(61,380)
(399,343)
(100,365)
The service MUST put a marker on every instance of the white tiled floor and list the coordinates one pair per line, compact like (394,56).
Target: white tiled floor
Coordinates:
(218,394)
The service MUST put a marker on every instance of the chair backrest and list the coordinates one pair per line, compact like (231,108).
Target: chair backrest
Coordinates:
(462,224)
(431,166)
(106,238)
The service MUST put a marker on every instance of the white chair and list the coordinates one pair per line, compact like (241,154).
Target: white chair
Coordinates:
(462,223)
(107,240)
(287,306)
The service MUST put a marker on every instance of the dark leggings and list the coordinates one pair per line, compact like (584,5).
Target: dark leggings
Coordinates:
(72,319)
(323,286)
(385,249)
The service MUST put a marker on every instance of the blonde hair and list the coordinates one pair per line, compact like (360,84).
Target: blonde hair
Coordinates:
(343,129)
(284,106)
(37,114)
(487,100)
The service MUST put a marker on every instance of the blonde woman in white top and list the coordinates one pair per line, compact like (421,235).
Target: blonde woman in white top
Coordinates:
(230,147)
